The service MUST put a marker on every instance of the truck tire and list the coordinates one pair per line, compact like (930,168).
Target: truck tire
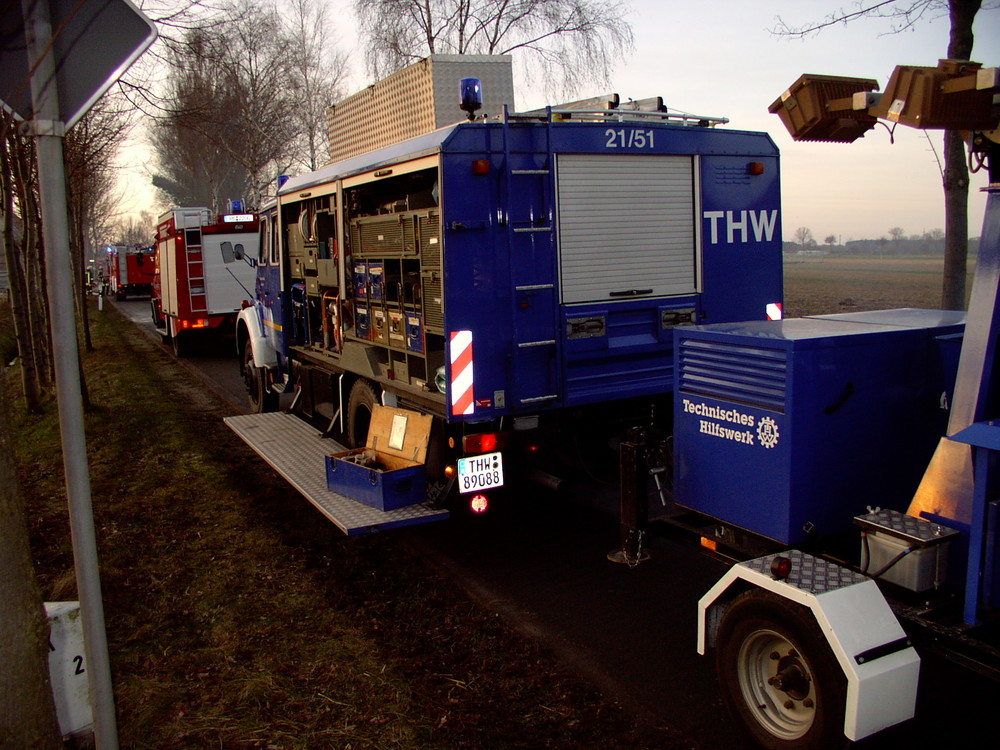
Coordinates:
(360,404)
(180,344)
(778,675)
(262,399)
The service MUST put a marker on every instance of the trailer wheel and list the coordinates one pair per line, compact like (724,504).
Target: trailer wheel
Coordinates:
(360,404)
(779,676)
(262,399)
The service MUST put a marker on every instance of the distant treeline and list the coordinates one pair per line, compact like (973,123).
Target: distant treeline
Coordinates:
(931,244)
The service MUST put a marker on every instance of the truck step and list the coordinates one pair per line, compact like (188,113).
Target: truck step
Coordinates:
(296,451)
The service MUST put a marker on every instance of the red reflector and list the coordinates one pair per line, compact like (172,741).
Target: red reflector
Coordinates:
(756,167)
(481,166)
(479,504)
(781,567)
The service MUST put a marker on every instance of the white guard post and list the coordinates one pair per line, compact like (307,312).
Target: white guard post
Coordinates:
(857,622)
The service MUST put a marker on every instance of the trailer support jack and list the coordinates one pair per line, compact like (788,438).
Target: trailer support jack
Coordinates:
(632,459)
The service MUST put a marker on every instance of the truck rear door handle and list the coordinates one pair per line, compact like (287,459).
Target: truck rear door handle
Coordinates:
(631,293)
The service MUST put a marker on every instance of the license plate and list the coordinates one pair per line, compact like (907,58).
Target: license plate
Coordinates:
(477,473)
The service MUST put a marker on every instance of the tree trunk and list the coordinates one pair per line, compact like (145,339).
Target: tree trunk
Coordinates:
(27,709)
(18,289)
(956,171)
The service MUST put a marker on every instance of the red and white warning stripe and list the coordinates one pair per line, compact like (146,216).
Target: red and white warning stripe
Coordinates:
(460,352)
(775,311)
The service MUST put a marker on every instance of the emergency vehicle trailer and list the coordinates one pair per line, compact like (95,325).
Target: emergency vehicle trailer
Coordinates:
(867,442)
(204,272)
(496,275)
(131,271)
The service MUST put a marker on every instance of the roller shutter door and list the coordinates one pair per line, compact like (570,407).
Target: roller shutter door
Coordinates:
(626,226)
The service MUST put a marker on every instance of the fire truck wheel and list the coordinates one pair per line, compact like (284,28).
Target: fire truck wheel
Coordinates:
(359,412)
(262,399)
(779,676)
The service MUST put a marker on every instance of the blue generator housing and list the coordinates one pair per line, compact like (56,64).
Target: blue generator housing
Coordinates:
(814,419)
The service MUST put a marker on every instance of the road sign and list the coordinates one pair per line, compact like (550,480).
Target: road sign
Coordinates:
(94,43)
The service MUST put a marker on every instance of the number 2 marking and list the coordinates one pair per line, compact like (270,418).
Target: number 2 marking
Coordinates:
(78,660)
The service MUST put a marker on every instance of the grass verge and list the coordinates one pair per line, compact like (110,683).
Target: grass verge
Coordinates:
(238,618)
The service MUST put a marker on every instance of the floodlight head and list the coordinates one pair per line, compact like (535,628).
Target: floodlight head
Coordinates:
(956,95)
(821,108)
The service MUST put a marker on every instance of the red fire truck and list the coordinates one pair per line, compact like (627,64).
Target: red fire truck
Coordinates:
(204,272)
(130,270)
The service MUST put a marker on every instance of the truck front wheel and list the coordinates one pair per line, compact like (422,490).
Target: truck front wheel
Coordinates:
(262,398)
(779,676)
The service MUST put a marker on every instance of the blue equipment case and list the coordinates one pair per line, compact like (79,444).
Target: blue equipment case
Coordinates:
(397,440)
(815,419)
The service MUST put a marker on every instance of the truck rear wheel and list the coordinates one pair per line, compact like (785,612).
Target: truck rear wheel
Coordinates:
(360,404)
(179,344)
(779,676)
(262,399)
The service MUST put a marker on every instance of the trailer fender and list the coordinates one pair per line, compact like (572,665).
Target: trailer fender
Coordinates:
(880,664)
(248,327)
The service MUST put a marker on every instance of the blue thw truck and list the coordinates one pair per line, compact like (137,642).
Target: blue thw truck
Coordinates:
(499,275)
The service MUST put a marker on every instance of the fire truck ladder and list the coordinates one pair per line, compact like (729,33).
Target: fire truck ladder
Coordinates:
(195,259)
(532,242)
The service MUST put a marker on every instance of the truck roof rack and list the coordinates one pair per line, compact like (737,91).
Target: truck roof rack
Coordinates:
(610,108)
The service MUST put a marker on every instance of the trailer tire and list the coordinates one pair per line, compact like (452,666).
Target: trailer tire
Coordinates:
(779,676)
(262,399)
(360,405)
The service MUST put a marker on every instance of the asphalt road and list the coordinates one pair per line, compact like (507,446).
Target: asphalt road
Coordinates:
(541,562)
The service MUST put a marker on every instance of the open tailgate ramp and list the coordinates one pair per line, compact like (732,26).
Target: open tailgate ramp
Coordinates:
(297,452)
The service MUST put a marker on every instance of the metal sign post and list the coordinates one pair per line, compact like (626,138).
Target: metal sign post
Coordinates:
(48,60)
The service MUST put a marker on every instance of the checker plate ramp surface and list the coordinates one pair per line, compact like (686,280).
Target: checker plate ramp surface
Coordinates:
(810,573)
(296,451)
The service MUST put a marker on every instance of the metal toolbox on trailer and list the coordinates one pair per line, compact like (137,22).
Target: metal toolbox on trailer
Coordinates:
(388,472)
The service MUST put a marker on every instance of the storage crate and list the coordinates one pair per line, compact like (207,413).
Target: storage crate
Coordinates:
(388,472)
(819,108)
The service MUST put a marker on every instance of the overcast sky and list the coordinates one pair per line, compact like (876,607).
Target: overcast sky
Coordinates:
(718,57)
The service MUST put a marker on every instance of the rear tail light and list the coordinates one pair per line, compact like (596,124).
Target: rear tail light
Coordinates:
(483,442)
(479,504)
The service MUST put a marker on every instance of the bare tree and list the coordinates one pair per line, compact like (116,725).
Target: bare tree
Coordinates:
(567,43)
(897,233)
(804,237)
(316,75)
(132,231)
(90,149)
(904,14)
(13,242)
(247,100)
(194,168)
